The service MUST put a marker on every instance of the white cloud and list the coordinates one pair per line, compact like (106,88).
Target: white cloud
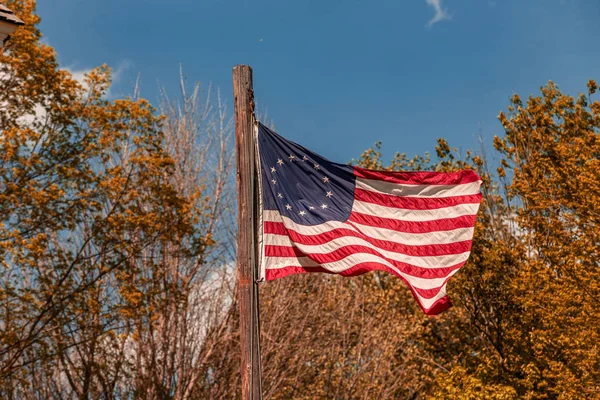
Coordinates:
(117,74)
(119,71)
(79,74)
(440,13)
(39,112)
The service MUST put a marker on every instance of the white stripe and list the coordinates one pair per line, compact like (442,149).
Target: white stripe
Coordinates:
(284,262)
(427,303)
(428,191)
(411,239)
(272,216)
(352,260)
(340,266)
(335,244)
(377,210)
(260,234)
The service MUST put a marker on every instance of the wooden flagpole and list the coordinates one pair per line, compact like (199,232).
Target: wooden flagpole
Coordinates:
(247,181)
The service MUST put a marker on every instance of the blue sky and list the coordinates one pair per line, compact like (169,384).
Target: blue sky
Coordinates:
(336,76)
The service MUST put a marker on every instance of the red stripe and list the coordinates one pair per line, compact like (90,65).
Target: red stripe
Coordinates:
(446,224)
(439,306)
(343,252)
(357,269)
(414,203)
(419,177)
(278,228)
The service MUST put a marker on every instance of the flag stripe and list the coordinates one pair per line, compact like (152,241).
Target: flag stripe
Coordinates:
(426,297)
(415,215)
(277,234)
(427,289)
(419,177)
(422,191)
(343,252)
(343,264)
(446,224)
(414,203)
(374,232)
(360,245)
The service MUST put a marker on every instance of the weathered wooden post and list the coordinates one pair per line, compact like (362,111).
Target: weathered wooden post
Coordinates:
(246,239)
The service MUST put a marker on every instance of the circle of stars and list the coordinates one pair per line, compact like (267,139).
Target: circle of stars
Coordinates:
(325,179)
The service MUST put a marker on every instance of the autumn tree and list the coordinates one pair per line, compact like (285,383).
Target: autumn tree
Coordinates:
(187,287)
(95,222)
(552,151)
(528,296)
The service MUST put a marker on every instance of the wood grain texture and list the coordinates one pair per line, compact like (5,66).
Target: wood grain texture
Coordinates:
(246,240)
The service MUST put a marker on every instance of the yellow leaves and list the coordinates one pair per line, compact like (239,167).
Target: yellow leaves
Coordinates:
(371,158)
(459,384)
(86,197)
(592,86)
(551,145)
(478,161)
(443,150)
(36,246)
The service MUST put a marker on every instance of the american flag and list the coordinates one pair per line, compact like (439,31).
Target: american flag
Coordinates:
(321,216)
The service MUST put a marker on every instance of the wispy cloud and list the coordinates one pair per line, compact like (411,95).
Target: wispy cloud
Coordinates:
(440,13)
(117,74)
(39,112)
(119,71)
(79,74)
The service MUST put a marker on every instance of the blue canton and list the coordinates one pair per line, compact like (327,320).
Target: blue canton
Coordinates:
(302,185)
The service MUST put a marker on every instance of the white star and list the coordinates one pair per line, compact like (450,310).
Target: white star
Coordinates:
(273,181)
(311,208)
(324,206)
(329,194)
(280,161)
(302,213)
(304,158)
(291,157)
(280,195)
(288,206)
(325,179)
(316,166)
(273,169)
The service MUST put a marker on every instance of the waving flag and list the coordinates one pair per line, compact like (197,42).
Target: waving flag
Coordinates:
(320,216)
